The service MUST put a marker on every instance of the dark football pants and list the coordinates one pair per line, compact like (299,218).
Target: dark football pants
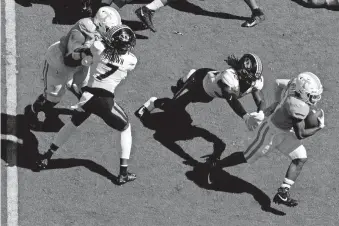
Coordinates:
(107,109)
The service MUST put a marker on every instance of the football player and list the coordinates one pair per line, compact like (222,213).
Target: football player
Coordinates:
(65,61)
(284,130)
(146,12)
(325,3)
(203,85)
(111,62)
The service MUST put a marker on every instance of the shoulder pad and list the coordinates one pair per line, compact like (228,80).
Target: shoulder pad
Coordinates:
(296,108)
(230,78)
(87,25)
(130,61)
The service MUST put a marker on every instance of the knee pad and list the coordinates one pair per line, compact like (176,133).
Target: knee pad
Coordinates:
(56,94)
(299,153)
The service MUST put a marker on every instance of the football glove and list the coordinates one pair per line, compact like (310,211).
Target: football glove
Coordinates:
(250,122)
(321,119)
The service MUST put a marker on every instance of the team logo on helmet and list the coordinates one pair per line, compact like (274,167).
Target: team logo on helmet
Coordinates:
(106,18)
(251,66)
(118,40)
(309,87)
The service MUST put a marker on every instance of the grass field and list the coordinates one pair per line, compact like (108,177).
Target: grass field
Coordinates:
(169,191)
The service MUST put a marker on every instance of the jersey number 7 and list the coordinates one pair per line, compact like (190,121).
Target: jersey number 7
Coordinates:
(113,69)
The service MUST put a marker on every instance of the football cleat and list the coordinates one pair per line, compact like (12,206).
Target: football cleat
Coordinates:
(141,111)
(32,117)
(257,17)
(122,179)
(145,16)
(283,197)
(44,159)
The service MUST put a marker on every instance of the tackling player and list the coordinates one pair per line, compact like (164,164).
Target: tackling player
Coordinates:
(203,85)
(66,60)
(284,130)
(112,60)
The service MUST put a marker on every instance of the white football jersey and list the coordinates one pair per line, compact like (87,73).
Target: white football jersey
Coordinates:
(229,77)
(107,74)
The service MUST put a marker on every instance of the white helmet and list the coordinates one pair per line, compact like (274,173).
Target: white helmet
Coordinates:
(309,87)
(106,18)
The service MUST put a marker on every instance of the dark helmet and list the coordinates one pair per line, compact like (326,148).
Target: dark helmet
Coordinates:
(121,38)
(250,67)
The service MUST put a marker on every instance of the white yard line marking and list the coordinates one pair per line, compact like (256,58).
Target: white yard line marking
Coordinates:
(11,105)
(11,138)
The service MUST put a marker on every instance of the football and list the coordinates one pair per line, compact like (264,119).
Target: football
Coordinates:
(311,120)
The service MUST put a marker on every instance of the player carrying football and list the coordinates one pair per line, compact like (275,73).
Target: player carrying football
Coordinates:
(204,84)
(112,60)
(65,61)
(284,130)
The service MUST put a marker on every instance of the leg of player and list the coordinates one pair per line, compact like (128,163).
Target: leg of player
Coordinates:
(293,171)
(299,157)
(166,103)
(61,138)
(54,89)
(257,14)
(126,146)
(115,117)
(145,13)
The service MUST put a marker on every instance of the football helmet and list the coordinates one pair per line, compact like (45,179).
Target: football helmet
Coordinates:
(308,87)
(120,38)
(250,67)
(106,18)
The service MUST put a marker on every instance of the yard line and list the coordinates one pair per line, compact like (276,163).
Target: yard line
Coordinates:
(11,105)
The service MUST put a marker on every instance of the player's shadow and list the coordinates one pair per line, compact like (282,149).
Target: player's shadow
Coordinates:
(172,127)
(89,164)
(305,4)
(66,12)
(19,147)
(52,123)
(188,7)
(225,182)
(69,12)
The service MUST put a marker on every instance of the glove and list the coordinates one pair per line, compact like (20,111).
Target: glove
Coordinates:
(97,48)
(321,119)
(250,122)
(258,115)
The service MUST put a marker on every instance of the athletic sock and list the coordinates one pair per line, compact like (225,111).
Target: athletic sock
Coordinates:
(64,134)
(287,183)
(126,143)
(155,5)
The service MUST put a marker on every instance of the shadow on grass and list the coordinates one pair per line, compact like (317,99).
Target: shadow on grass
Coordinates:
(68,12)
(225,182)
(305,4)
(19,147)
(172,127)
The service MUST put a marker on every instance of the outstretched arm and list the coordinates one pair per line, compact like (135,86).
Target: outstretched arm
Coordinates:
(236,106)
(259,100)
